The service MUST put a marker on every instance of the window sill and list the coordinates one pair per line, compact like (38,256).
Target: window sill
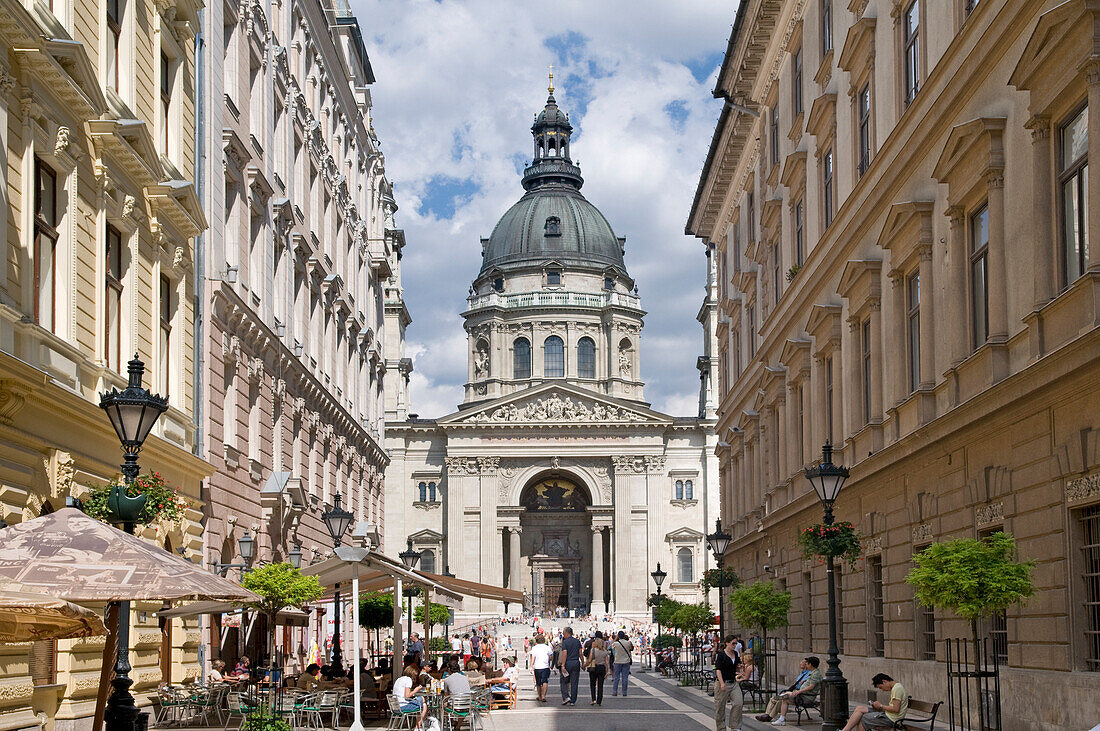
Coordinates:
(684,502)
(426,504)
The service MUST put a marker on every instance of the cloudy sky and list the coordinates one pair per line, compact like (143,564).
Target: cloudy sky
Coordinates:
(458,84)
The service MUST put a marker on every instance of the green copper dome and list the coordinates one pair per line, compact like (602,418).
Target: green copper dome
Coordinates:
(553,221)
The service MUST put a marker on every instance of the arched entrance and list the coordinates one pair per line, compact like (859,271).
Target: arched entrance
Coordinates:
(555,523)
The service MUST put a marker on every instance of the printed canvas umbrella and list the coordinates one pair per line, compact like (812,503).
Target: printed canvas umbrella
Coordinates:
(25,616)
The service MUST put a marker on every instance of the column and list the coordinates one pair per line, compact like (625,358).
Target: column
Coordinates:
(818,407)
(627,471)
(927,319)
(957,266)
(597,569)
(876,359)
(782,440)
(453,501)
(492,542)
(1092,75)
(613,577)
(1043,253)
(514,558)
(998,271)
(897,338)
(851,380)
(796,434)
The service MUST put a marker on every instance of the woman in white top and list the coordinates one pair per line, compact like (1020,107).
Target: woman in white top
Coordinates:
(405,691)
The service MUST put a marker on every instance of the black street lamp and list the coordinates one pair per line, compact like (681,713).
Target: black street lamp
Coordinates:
(246,544)
(658,579)
(827,479)
(133,411)
(410,557)
(337,522)
(719,541)
(295,556)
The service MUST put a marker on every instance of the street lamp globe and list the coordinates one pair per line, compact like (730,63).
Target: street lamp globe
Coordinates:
(659,576)
(719,540)
(295,556)
(827,478)
(247,546)
(337,520)
(410,557)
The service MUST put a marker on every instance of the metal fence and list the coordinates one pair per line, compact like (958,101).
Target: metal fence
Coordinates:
(973,685)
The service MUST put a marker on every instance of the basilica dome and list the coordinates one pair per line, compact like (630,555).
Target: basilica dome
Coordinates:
(553,221)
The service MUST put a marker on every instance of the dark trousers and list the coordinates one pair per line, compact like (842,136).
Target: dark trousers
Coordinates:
(596,676)
(570,684)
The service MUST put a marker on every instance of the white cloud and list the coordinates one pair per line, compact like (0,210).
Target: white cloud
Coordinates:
(458,84)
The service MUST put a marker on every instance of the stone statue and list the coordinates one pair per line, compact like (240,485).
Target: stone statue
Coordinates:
(624,363)
(481,362)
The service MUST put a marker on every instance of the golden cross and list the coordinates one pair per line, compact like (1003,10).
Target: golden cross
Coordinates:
(551,87)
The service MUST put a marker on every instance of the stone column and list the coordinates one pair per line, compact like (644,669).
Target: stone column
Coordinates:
(927,319)
(897,341)
(454,501)
(958,267)
(818,406)
(782,440)
(998,269)
(876,359)
(795,439)
(613,573)
(852,379)
(1092,75)
(514,558)
(492,543)
(1043,252)
(627,470)
(597,569)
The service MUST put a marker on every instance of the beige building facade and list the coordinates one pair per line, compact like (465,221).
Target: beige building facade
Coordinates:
(898,195)
(97,119)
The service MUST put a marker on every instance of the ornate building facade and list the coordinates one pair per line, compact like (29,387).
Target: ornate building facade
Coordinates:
(301,242)
(553,477)
(898,195)
(97,120)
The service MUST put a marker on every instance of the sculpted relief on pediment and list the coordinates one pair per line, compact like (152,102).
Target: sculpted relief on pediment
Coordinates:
(554,408)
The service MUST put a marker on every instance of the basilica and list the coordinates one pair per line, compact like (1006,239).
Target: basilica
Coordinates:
(554,476)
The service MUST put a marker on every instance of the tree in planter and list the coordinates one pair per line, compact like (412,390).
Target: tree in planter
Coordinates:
(439,614)
(280,587)
(973,578)
(376,612)
(693,619)
(760,604)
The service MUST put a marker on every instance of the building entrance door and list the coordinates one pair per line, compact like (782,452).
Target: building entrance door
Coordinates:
(556,593)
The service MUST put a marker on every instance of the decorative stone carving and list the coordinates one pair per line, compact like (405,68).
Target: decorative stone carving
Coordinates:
(1079,490)
(555,408)
(279,389)
(7,82)
(255,370)
(12,399)
(462,465)
(629,464)
(873,545)
(128,206)
(555,463)
(64,136)
(990,514)
(922,533)
(481,361)
(231,347)
(489,465)
(178,256)
(624,363)
(655,463)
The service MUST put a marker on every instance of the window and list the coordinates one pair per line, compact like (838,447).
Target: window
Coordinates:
(45,245)
(1074,185)
(926,633)
(115,9)
(685,561)
(876,631)
(827,185)
(679,489)
(112,341)
(431,492)
(586,358)
(737,354)
(552,226)
(751,216)
(521,358)
(774,134)
(165,99)
(970,5)
(423,488)
(865,370)
(911,41)
(799,223)
(912,328)
(796,81)
(827,366)
(979,275)
(553,279)
(427,561)
(553,357)
(165,334)
(776,266)
(864,121)
(689,490)
(826,26)
(498,284)
(608,283)
(752,330)
(1090,554)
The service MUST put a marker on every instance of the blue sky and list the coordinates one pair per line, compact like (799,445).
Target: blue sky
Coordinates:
(458,84)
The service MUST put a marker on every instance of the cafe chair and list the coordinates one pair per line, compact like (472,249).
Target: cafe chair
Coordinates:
(401,719)
(504,700)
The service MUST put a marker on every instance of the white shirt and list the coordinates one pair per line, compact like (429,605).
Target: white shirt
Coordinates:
(512,674)
(467,647)
(540,657)
(216,675)
(456,644)
(401,686)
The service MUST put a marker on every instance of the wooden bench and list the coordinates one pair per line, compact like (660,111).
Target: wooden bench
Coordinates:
(926,722)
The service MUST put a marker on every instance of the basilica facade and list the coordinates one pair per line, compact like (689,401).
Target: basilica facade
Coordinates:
(554,476)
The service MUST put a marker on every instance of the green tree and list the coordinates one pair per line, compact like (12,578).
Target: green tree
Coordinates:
(666,610)
(280,586)
(439,614)
(760,604)
(972,578)
(693,618)
(376,612)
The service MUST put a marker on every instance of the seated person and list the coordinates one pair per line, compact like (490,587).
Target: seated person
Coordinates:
(309,679)
(406,693)
(508,679)
(243,668)
(806,685)
(456,682)
(477,678)
(216,668)
(879,715)
(749,672)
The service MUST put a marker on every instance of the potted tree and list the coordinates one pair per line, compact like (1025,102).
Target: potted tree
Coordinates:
(760,604)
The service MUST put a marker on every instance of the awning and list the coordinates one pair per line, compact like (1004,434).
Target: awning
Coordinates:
(285,618)
(473,588)
(25,616)
(377,572)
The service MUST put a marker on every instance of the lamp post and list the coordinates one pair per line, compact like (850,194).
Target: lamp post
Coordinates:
(827,479)
(658,579)
(447,625)
(337,522)
(132,411)
(410,557)
(719,541)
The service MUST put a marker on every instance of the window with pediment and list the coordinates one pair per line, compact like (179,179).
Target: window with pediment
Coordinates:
(1073,187)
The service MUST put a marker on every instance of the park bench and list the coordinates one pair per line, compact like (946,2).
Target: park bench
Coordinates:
(804,704)
(927,720)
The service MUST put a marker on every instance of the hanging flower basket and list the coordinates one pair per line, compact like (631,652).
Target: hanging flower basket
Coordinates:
(839,540)
(162,501)
(720,578)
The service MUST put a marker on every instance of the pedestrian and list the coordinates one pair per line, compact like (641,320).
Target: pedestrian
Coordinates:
(540,663)
(726,664)
(569,658)
(598,662)
(621,662)
(467,649)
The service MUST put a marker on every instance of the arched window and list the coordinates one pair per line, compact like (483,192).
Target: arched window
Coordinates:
(686,561)
(689,490)
(431,492)
(679,489)
(423,488)
(427,561)
(553,357)
(521,358)
(586,358)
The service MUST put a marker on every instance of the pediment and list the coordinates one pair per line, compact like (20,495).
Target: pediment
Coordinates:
(556,404)
(794,353)
(426,536)
(858,45)
(1048,40)
(794,170)
(978,142)
(859,280)
(682,535)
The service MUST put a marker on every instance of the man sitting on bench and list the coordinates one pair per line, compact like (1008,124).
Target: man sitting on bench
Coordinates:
(806,685)
(878,715)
